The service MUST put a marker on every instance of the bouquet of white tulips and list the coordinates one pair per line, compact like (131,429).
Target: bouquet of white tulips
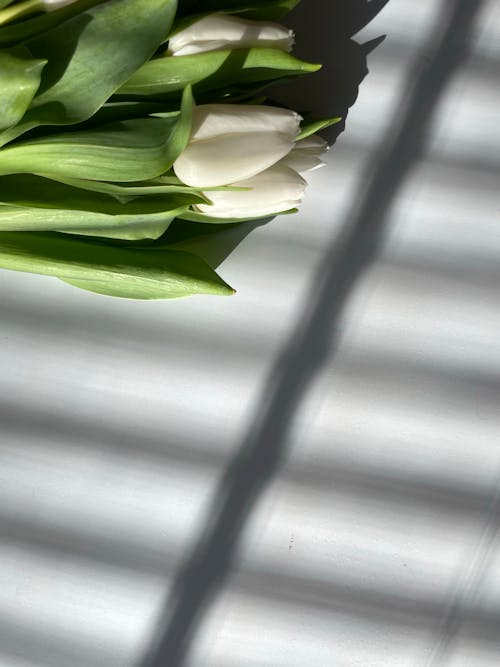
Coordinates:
(122,122)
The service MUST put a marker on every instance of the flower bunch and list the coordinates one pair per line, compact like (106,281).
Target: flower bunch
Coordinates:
(122,122)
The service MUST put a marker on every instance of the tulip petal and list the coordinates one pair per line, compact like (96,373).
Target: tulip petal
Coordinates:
(232,142)
(212,120)
(219,31)
(314,142)
(272,191)
(306,154)
(229,158)
(302,161)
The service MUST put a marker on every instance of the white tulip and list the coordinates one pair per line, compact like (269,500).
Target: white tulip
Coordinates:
(231,143)
(248,146)
(274,190)
(220,31)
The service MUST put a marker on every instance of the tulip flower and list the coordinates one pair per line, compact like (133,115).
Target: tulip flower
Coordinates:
(231,143)
(220,31)
(252,147)
(275,190)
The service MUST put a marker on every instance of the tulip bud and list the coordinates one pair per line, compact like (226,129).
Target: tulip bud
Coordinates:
(231,143)
(274,190)
(220,31)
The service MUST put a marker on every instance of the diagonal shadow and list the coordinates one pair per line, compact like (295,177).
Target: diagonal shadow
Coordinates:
(331,91)
(264,447)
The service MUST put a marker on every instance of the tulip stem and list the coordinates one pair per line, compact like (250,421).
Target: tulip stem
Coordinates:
(21,9)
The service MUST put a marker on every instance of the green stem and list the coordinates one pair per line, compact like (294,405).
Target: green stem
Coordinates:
(21,9)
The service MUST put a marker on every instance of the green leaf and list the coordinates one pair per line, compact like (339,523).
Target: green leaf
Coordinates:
(32,190)
(31,203)
(257,9)
(133,150)
(113,112)
(131,227)
(127,151)
(115,271)
(195,216)
(90,56)
(19,80)
(20,32)
(161,77)
(18,10)
(125,191)
(315,126)
(268,10)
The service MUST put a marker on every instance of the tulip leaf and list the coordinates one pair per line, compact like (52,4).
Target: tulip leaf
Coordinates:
(19,80)
(125,191)
(112,112)
(33,190)
(132,231)
(129,272)
(253,9)
(161,77)
(127,151)
(89,56)
(268,10)
(130,227)
(31,203)
(132,150)
(196,216)
(315,126)
(19,32)
(154,187)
